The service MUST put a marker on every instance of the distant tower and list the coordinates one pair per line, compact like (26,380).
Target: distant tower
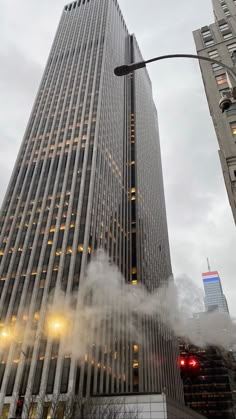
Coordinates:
(214,297)
(218,41)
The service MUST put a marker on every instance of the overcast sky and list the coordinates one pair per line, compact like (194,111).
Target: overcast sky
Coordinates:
(199,216)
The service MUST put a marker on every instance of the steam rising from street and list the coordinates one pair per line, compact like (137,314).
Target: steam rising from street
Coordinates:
(107,303)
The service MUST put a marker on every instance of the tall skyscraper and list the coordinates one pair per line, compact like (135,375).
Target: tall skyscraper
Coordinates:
(88,176)
(218,41)
(214,297)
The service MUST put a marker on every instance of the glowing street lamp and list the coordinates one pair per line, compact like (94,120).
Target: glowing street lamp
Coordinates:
(56,325)
(8,337)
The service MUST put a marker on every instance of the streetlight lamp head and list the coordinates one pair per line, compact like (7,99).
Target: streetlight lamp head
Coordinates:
(122,70)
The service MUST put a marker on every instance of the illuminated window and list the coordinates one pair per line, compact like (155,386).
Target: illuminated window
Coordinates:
(135,348)
(233,128)
(134,282)
(134,270)
(221,79)
(80,248)
(42,283)
(36,315)
(135,363)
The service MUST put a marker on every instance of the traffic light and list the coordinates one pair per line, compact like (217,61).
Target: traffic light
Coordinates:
(182,362)
(193,363)
(189,367)
(19,407)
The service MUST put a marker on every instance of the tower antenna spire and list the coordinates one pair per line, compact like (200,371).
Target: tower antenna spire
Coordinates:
(208,265)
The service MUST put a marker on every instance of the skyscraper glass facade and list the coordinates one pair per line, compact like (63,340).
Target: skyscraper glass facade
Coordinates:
(88,176)
(214,297)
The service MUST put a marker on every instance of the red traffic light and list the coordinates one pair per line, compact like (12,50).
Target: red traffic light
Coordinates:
(193,362)
(19,407)
(182,362)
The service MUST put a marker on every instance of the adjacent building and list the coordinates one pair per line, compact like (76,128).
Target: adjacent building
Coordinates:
(88,175)
(209,386)
(214,296)
(218,41)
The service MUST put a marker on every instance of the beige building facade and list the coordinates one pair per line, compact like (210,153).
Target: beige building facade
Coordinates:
(218,41)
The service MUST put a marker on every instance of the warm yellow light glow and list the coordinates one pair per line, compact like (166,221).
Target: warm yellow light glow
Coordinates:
(36,316)
(134,282)
(56,325)
(135,348)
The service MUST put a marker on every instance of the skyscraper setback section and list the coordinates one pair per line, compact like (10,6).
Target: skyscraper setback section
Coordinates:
(88,176)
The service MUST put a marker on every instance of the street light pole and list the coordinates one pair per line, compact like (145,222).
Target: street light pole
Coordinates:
(129,68)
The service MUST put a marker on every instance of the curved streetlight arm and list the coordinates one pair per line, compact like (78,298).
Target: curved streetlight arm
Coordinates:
(128,68)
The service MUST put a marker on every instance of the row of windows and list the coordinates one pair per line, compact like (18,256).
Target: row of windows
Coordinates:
(71,6)
(225,8)
(208,36)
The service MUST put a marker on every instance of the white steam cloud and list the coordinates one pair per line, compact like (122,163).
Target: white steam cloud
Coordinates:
(108,308)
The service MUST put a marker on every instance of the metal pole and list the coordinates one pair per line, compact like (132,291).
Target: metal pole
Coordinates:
(126,69)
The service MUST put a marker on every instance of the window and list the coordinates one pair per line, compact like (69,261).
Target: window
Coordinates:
(207,33)
(231,47)
(228,35)
(209,43)
(221,79)
(224,26)
(213,53)
(216,67)
(227,13)
(231,110)
(233,127)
